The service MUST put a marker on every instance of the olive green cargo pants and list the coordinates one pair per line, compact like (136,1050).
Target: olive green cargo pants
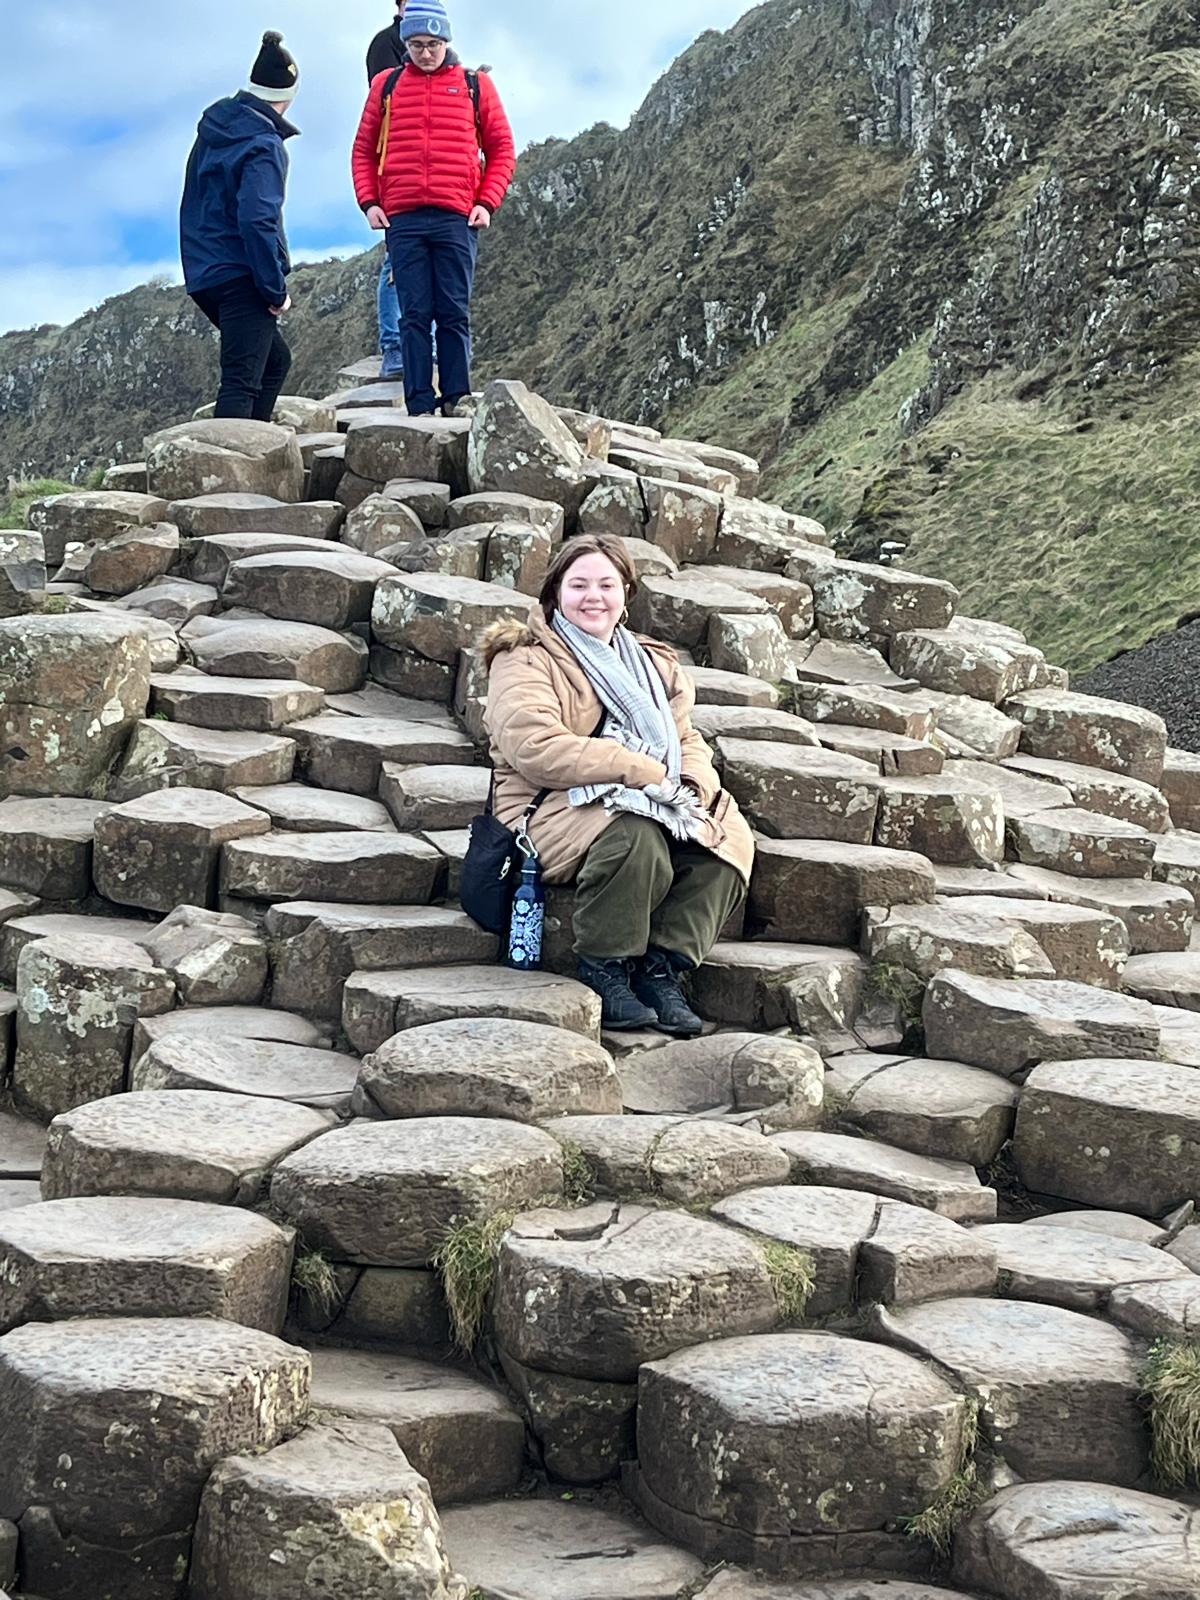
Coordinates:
(639,887)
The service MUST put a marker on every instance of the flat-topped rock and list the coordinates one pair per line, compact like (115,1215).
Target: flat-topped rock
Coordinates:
(462,1435)
(266,648)
(15,935)
(214,515)
(420,797)
(891,754)
(398,446)
(224,456)
(679,609)
(954,661)
(378,1004)
(168,755)
(789,791)
(86,516)
(77,1001)
(837,661)
(868,604)
(734,1585)
(933,1108)
(264,1068)
(1074,1267)
(17,1192)
(1084,944)
(1157,916)
(362,868)
(776,1082)
(834,1160)
(1095,789)
(1008,1026)
(715,688)
(1063,726)
(214,959)
(927,939)
(175,1144)
(1066,1540)
(972,730)
(865,706)
(763,984)
(488,1067)
(46,849)
(189,1390)
(1082,844)
(340,1504)
(801,1410)
(1165,980)
(945,818)
(339,752)
(236,1022)
(388,1193)
(1169,1310)
(317,946)
(329,588)
(74,687)
(243,704)
(296,808)
(139,1257)
(129,560)
(752,722)
(1180,784)
(545,1549)
(815,892)
(1112,1133)
(1019,792)
(22,1146)
(175,601)
(672,1158)
(210,557)
(1059,1393)
(436,616)
(163,850)
(598,1293)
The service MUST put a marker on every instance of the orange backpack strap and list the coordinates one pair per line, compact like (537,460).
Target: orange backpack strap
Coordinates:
(385,131)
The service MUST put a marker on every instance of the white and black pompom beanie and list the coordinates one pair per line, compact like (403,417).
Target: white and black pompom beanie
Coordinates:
(275,76)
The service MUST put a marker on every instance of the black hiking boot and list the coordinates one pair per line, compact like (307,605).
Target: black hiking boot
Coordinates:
(622,1010)
(656,981)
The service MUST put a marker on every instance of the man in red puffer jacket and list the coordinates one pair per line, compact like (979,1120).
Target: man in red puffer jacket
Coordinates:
(433,174)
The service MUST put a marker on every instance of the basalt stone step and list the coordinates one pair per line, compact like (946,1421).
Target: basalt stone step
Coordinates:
(208,559)
(435,616)
(714,688)
(732,1584)
(496,505)
(406,447)
(775,1083)
(1062,1540)
(247,705)
(215,960)
(132,559)
(1008,1026)
(683,1161)
(1082,844)
(791,602)
(167,755)
(751,722)
(1157,916)
(88,515)
(15,935)
(372,700)
(317,946)
(802,1410)
(488,1067)
(295,808)
(951,1188)
(1062,726)
(927,939)
(1177,861)
(933,1108)
(833,661)
(545,1550)
(958,883)
(17,1192)
(1076,1268)
(213,515)
(317,1511)
(1165,980)
(22,1147)
(361,868)
(1169,1310)
(349,753)
(377,1005)
(387,1194)
(171,600)
(1094,789)
(225,456)
(957,662)
(1111,1133)
(322,1079)
(1181,785)
(145,1258)
(947,819)
(1110,1224)
(236,1022)
(77,1002)
(436,797)
(865,706)
(790,792)
(816,891)
(597,1293)
(891,754)
(1019,793)
(175,1144)
(970,729)
(163,850)
(1084,944)
(46,848)
(261,647)
(331,588)
(1059,1392)
(754,645)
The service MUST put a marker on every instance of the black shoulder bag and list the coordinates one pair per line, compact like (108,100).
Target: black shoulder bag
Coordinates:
(492,868)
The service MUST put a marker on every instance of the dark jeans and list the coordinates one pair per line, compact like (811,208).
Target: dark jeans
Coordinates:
(255,358)
(433,253)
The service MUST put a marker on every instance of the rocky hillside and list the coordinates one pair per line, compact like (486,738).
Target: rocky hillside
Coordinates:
(933,261)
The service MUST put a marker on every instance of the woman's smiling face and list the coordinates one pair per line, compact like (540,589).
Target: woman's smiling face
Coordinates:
(593,596)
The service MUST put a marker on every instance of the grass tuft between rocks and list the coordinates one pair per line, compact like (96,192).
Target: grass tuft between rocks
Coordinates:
(313,1276)
(467,1264)
(1171,1384)
(579,1174)
(792,1274)
(964,1494)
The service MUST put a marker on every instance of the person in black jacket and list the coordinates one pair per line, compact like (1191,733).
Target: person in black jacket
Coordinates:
(388,52)
(234,250)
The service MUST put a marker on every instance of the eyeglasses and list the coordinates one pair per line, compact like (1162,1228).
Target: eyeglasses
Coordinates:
(430,49)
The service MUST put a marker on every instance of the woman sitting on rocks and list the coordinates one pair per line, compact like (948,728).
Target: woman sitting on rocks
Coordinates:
(661,855)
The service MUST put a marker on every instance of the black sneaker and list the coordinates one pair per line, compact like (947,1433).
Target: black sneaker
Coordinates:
(656,981)
(622,1010)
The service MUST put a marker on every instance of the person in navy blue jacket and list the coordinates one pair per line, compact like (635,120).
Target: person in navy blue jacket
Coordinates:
(234,250)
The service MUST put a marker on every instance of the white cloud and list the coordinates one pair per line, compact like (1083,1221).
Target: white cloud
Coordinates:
(98,106)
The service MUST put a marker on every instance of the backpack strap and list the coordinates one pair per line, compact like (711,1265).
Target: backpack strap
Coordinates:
(472,78)
(385,131)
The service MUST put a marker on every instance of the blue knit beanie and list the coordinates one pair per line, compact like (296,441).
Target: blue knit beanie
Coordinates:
(426,17)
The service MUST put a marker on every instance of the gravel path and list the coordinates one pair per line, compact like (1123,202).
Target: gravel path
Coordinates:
(1163,676)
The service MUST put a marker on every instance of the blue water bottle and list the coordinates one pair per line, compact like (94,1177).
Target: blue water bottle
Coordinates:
(528,915)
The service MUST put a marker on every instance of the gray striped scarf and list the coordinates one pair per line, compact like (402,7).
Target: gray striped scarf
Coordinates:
(639,717)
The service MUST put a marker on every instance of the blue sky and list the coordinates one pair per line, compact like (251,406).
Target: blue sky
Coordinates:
(99,100)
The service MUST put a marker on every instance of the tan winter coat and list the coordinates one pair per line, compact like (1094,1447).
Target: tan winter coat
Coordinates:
(542,716)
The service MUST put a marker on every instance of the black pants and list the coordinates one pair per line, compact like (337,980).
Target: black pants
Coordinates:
(255,359)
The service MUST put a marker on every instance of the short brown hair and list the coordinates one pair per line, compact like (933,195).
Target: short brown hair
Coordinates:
(573,550)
